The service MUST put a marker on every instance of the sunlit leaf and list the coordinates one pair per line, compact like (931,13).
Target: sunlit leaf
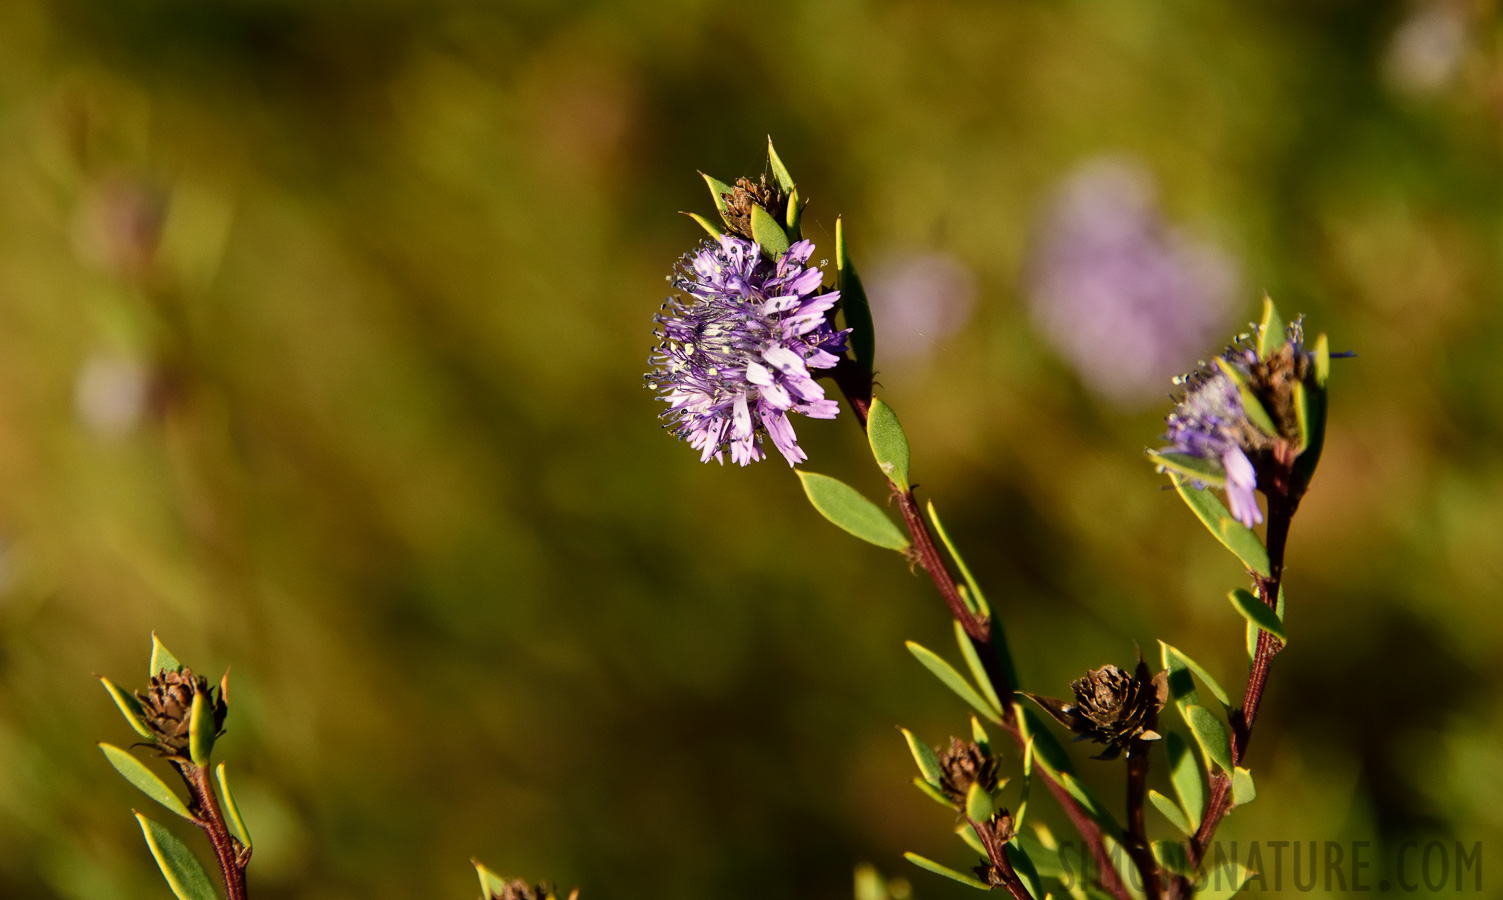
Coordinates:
(231,808)
(1238,538)
(768,232)
(779,171)
(1179,656)
(713,229)
(844,506)
(1271,331)
(946,871)
(978,803)
(1223,880)
(953,680)
(889,443)
(1171,811)
(968,834)
(1257,612)
(200,730)
(1252,407)
(1047,751)
(1194,468)
(973,662)
(1184,773)
(130,707)
(161,657)
(184,873)
(718,191)
(923,754)
(1212,736)
(933,793)
(1024,868)
(137,774)
(1243,789)
(491,884)
(1171,856)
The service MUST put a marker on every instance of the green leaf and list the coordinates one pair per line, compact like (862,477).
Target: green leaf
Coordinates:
(965,570)
(1252,407)
(1171,811)
(779,171)
(858,313)
(718,190)
(953,680)
(1237,537)
(846,508)
(923,754)
(1047,751)
(1181,684)
(1322,361)
(968,834)
(231,808)
(1194,468)
(979,735)
(713,229)
(978,671)
(137,774)
(1224,881)
(161,657)
(200,730)
(946,871)
(1171,855)
(184,873)
(491,884)
(1243,790)
(1271,334)
(1211,735)
(934,793)
(768,234)
(1089,802)
(1045,859)
(1184,773)
(889,443)
(130,707)
(1179,656)
(1022,864)
(795,215)
(978,803)
(1310,404)
(1256,612)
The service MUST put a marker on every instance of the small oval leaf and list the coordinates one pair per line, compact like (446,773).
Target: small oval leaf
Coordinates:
(184,873)
(231,808)
(768,234)
(200,730)
(933,793)
(130,707)
(923,754)
(779,171)
(491,884)
(1243,789)
(1023,867)
(1223,881)
(1256,612)
(1179,656)
(978,803)
(889,443)
(846,508)
(946,871)
(954,681)
(978,671)
(718,190)
(1235,536)
(1171,855)
(1184,773)
(1171,811)
(1271,330)
(161,657)
(1211,735)
(714,230)
(146,780)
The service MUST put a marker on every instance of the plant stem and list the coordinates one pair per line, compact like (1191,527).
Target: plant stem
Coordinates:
(1282,503)
(1137,831)
(856,384)
(233,857)
(996,853)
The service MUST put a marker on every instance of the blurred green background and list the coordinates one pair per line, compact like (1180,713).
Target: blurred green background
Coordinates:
(367,423)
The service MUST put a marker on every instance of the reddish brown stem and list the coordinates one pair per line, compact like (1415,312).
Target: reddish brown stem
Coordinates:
(856,384)
(996,852)
(230,853)
(1137,831)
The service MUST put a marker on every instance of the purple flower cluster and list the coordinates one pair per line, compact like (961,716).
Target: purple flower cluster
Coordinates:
(1210,423)
(1127,299)
(736,349)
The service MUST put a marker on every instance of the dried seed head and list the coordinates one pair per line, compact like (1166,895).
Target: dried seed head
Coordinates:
(168,705)
(1112,707)
(963,764)
(745,195)
(517,889)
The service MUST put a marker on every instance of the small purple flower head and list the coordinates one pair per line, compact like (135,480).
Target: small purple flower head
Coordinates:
(1213,423)
(737,348)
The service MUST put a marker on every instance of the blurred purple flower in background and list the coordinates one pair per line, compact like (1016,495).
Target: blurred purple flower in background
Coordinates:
(1427,49)
(917,299)
(737,347)
(1126,299)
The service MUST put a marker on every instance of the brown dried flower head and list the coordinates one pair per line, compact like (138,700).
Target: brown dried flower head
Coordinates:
(517,889)
(963,764)
(1112,707)
(744,196)
(168,707)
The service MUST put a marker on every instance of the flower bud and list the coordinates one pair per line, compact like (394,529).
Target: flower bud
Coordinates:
(167,708)
(963,764)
